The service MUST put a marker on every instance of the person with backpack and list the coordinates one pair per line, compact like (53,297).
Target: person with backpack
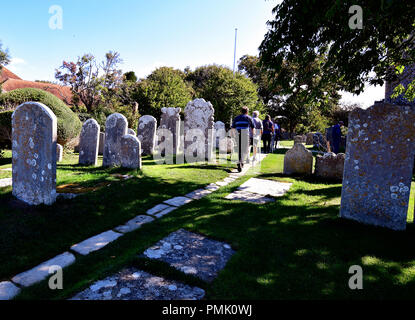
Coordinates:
(243,124)
(268,131)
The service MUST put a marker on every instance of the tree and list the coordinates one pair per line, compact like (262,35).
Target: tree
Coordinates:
(91,83)
(226,91)
(4,59)
(304,30)
(164,87)
(130,76)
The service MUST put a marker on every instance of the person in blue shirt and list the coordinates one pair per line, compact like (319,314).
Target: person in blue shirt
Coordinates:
(337,136)
(268,130)
(243,124)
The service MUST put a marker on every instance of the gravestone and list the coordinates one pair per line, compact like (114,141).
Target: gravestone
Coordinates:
(298,139)
(319,141)
(146,133)
(220,132)
(329,137)
(199,124)
(330,166)
(170,120)
(131,131)
(101,143)
(115,128)
(34,136)
(378,166)
(130,152)
(89,143)
(298,160)
(59,152)
(309,138)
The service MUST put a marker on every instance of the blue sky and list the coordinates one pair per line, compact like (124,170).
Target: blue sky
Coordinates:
(147,34)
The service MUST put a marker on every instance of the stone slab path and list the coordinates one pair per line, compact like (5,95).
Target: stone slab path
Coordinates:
(5,182)
(192,254)
(9,289)
(134,284)
(249,197)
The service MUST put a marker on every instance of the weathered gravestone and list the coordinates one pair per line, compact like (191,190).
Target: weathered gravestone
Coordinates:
(59,152)
(298,160)
(319,141)
(89,143)
(220,132)
(330,166)
(170,120)
(298,139)
(130,152)
(34,136)
(101,143)
(131,131)
(146,133)
(329,137)
(115,128)
(378,166)
(309,138)
(199,130)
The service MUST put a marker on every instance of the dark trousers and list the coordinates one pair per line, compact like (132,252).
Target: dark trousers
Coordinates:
(266,138)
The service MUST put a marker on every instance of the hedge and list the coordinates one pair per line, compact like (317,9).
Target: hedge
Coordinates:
(69,125)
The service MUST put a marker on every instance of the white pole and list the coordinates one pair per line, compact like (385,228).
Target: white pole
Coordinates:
(234,51)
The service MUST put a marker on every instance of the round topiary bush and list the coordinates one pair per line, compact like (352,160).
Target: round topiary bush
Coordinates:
(69,125)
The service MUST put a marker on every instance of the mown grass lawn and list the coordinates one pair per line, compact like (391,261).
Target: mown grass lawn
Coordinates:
(295,248)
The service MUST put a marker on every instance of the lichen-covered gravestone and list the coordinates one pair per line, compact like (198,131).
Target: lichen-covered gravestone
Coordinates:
(34,136)
(298,160)
(59,152)
(89,143)
(131,152)
(378,166)
(330,166)
(170,120)
(146,133)
(199,124)
(115,128)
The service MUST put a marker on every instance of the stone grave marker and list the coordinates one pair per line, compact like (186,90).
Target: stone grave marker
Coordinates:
(146,133)
(115,128)
(89,143)
(298,160)
(330,166)
(130,152)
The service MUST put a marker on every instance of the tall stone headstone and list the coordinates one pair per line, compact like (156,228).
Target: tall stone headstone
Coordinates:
(130,152)
(146,133)
(170,120)
(380,155)
(199,124)
(220,132)
(59,152)
(298,160)
(330,166)
(101,143)
(89,143)
(34,138)
(116,127)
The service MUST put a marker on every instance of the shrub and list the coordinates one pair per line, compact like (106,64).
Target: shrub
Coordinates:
(69,125)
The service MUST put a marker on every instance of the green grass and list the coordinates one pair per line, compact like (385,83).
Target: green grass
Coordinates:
(294,248)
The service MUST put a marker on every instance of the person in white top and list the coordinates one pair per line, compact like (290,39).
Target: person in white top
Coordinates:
(256,134)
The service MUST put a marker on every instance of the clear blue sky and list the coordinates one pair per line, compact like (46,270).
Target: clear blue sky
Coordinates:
(147,34)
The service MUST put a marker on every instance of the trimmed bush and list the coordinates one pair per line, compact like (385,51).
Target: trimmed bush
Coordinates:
(69,125)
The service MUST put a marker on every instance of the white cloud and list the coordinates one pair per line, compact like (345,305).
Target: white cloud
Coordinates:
(16,61)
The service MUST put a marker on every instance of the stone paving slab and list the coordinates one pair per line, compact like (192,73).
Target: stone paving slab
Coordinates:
(95,243)
(198,194)
(41,271)
(212,187)
(8,290)
(157,208)
(249,197)
(6,182)
(134,224)
(192,254)
(6,169)
(164,212)
(134,284)
(265,187)
(178,201)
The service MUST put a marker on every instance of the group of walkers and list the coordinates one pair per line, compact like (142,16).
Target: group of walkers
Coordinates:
(257,130)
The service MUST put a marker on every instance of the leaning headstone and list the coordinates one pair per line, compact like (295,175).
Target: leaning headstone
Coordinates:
(34,136)
(309,138)
(115,128)
(130,152)
(199,124)
(101,143)
(330,166)
(170,120)
(59,152)
(298,160)
(89,143)
(146,133)
(378,166)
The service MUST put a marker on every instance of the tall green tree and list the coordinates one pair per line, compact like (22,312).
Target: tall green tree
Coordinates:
(164,87)
(305,29)
(226,91)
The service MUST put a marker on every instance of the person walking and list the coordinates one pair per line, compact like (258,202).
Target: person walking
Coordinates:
(243,124)
(268,130)
(277,131)
(256,134)
(337,136)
